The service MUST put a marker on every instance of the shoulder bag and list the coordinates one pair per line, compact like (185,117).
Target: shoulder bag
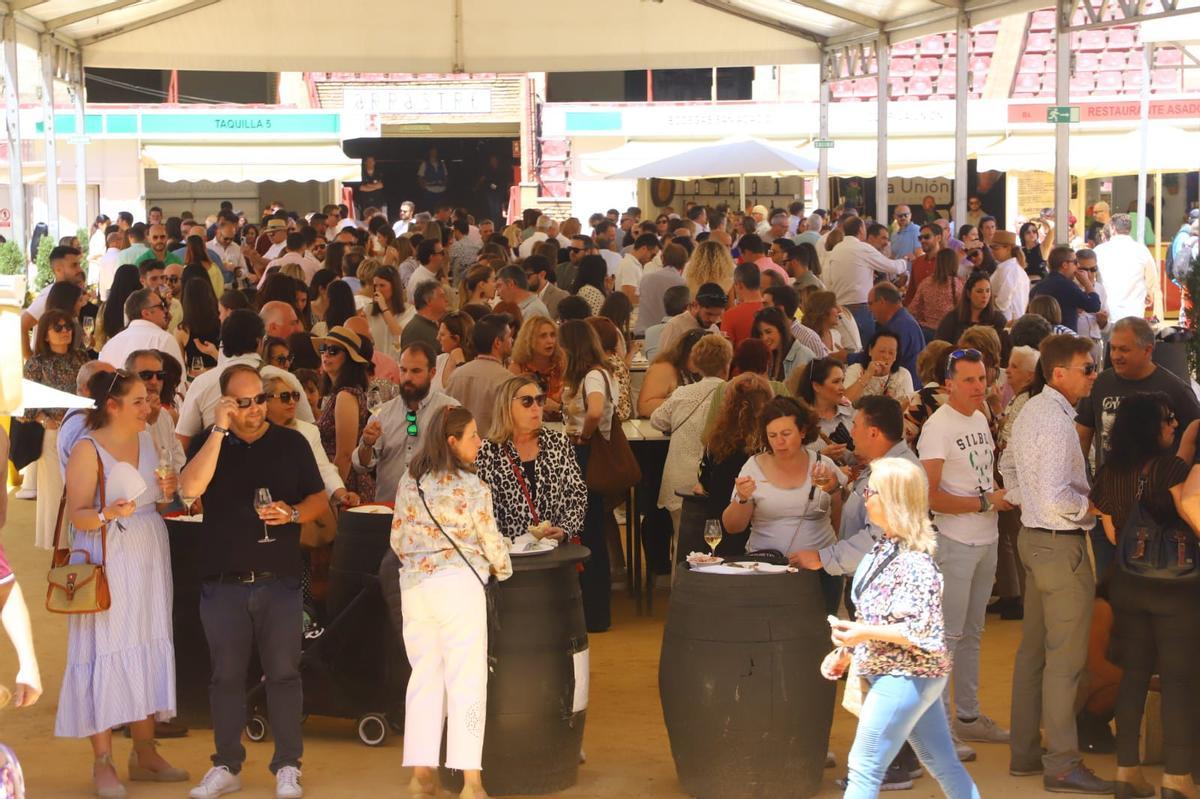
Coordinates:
(79,588)
(611,468)
(491,588)
(1154,551)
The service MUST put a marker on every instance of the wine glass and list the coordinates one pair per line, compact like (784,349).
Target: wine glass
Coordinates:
(89,326)
(165,467)
(197,365)
(375,400)
(262,501)
(713,535)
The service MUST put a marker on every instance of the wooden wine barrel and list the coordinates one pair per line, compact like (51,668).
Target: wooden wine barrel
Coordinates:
(747,710)
(538,689)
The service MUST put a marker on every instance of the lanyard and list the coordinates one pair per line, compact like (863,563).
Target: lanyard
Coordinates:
(524,488)
(870,578)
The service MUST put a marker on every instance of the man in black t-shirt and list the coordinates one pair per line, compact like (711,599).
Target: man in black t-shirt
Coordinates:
(251,565)
(1133,370)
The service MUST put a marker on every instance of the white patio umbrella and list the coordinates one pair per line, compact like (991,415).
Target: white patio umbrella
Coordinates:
(737,156)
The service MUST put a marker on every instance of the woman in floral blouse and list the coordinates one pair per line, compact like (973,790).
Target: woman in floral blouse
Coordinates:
(897,643)
(445,534)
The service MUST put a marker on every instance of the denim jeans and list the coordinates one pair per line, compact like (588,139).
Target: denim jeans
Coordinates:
(898,708)
(235,617)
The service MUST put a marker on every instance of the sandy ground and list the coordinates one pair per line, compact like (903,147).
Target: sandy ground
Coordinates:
(625,739)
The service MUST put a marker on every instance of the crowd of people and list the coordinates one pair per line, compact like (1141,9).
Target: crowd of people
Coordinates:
(922,409)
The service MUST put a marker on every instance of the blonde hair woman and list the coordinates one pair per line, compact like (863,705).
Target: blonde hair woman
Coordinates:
(710,263)
(902,655)
(537,355)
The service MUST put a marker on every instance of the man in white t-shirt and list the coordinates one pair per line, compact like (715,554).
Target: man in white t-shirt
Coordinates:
(541,233)
(629,271)
(958,453)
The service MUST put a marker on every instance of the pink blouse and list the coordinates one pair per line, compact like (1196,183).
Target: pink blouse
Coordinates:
(933,301)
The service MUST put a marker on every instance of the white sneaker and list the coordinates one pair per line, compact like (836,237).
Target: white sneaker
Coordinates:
(287,783)
(981,730)
(26,493)
(965,753)
(218,781)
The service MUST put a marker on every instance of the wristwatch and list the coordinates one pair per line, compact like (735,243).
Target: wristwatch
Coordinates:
(741,501)
(295,517)
(222,430)
(103,518)
(985,504)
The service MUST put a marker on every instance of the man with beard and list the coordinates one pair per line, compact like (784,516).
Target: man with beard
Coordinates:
(394,435)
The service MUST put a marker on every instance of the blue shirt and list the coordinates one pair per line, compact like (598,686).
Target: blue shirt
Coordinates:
(905,241)
(1071,298)
(912,340)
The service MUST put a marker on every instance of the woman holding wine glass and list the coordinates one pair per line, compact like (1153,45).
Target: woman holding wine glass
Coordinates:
(345,358)
(789,496)
(120,663)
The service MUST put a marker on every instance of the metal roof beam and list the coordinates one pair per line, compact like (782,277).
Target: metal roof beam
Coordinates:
(91,13)
(186,8)
(1132,12)
(21,5)
(726,7)
(841,13)
(947,16)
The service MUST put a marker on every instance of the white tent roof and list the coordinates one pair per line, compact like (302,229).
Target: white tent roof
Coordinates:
(282,162)
(477,35)
(1100,154)
(737,156)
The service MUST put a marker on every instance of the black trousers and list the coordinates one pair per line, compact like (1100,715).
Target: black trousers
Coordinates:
(595,581)
(1155,623)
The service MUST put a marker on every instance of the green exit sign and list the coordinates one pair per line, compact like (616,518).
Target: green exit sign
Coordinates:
(823,144)
(1062,114)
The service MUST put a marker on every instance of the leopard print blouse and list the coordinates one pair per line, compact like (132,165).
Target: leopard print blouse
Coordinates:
(560,494)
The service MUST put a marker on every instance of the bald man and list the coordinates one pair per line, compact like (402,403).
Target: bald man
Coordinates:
(156,239)
(280,319)
(74,424)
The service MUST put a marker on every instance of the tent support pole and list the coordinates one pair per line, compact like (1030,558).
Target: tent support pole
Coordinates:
(1160,297)
(824,198)
(46,57)
(742,193)
(81,200)
(1062,94)
(1144,142)
(12,128)
(962,37)
(881,160)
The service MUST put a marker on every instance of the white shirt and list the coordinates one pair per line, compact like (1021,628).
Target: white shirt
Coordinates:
(274,251)
(612,260)
(1010,289)
(1088,327)
(419,276)
(964,446)
(231,256)
(1124,265)
(852,267)
(629,273)
(526,248)
(329,473)
(162,432)
(140,334)
(38,306)
(108,270)
(401,226)
(198,410)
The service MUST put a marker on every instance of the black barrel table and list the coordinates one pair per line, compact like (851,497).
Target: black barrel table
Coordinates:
(193,667)
(747,710)
(538,687)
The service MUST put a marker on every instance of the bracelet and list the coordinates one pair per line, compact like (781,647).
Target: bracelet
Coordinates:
(222,430)
(741,501)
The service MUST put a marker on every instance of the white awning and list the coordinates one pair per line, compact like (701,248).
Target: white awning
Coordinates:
(250,162)
(1092,155)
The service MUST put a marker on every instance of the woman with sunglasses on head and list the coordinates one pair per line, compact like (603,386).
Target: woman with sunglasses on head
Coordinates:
(58,355)
(445,535)
(345,361)
(822,384)
(120,662)
(897,642)
(1151,616)
(532,471)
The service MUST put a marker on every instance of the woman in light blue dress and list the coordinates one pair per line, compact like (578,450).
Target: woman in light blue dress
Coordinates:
(121,661)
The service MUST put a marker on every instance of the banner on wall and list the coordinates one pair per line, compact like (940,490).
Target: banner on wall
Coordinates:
(912,191)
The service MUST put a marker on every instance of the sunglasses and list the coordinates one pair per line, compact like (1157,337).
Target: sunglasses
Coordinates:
(285,396)
(283,359)
(61,327)
(245,402)
(151,374)
(331,350)
(527,401)
(925,237)
(1087,368)
(172,278)
(971,354)
(411,418)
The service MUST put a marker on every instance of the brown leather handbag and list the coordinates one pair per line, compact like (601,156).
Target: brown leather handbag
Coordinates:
(612,468)
(78,588)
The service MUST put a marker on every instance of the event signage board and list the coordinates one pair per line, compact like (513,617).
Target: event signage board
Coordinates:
(1113,111)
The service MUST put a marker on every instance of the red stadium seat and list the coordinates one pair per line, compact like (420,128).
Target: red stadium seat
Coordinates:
(1167,57)
(985,43)
(841,89)
(1032,63)
(866,87)
(1133,80)
(1042,20)
(905,48)
(1109,82)
(901,66)
(946,83)
(1092,41)
(1039,43)
(920,86)
(1164,80)
(1028,84)
(979,64)
(1087,62)
(933,45)
(1113,60)
(928,66)
(1122,38)
(1082,83)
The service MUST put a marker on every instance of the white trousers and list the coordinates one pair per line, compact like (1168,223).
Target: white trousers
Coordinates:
(50,487)
(445,633)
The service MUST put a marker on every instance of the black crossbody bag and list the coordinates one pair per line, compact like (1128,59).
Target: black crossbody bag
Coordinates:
(491,588)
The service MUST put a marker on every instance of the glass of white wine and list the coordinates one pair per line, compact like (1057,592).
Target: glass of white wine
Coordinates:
(713,534)
(197,365)
(89,327)
(165,467)
(262,501)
